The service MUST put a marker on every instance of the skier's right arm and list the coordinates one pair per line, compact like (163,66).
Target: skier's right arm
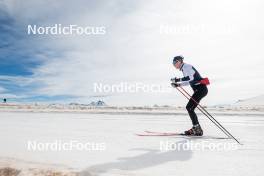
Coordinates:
(188,73)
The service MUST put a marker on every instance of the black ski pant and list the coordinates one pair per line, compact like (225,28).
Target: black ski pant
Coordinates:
(200,91)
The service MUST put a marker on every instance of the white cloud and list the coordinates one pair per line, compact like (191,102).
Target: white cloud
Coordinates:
(2,89)
(7,95)
(134,50)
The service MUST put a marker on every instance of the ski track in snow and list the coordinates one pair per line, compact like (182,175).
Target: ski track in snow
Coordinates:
(126,153)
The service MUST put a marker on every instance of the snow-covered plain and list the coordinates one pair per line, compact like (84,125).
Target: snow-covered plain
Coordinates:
(118,151)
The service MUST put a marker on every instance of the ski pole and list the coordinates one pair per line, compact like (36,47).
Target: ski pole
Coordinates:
(208,115)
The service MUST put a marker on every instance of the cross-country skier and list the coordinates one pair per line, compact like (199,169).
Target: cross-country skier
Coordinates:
(192,78)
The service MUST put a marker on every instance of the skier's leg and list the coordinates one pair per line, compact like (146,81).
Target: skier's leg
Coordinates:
(191,105)
(190,108)
(196,130)
(197,96)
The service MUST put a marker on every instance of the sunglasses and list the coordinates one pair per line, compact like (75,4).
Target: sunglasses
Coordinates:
(174,62)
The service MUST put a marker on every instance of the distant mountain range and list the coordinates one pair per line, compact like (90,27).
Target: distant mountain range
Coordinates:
(93,103)
(97,103)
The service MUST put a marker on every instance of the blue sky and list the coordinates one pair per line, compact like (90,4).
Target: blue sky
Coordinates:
(222,40)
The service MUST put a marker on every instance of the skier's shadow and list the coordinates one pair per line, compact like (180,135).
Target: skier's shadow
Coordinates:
(149,159)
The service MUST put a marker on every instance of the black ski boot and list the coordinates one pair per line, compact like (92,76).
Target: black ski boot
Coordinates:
(189,132)
(196,130)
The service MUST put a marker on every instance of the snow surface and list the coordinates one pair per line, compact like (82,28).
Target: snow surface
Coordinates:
(125,153)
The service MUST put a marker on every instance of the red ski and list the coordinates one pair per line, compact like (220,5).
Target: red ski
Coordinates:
(153,133)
